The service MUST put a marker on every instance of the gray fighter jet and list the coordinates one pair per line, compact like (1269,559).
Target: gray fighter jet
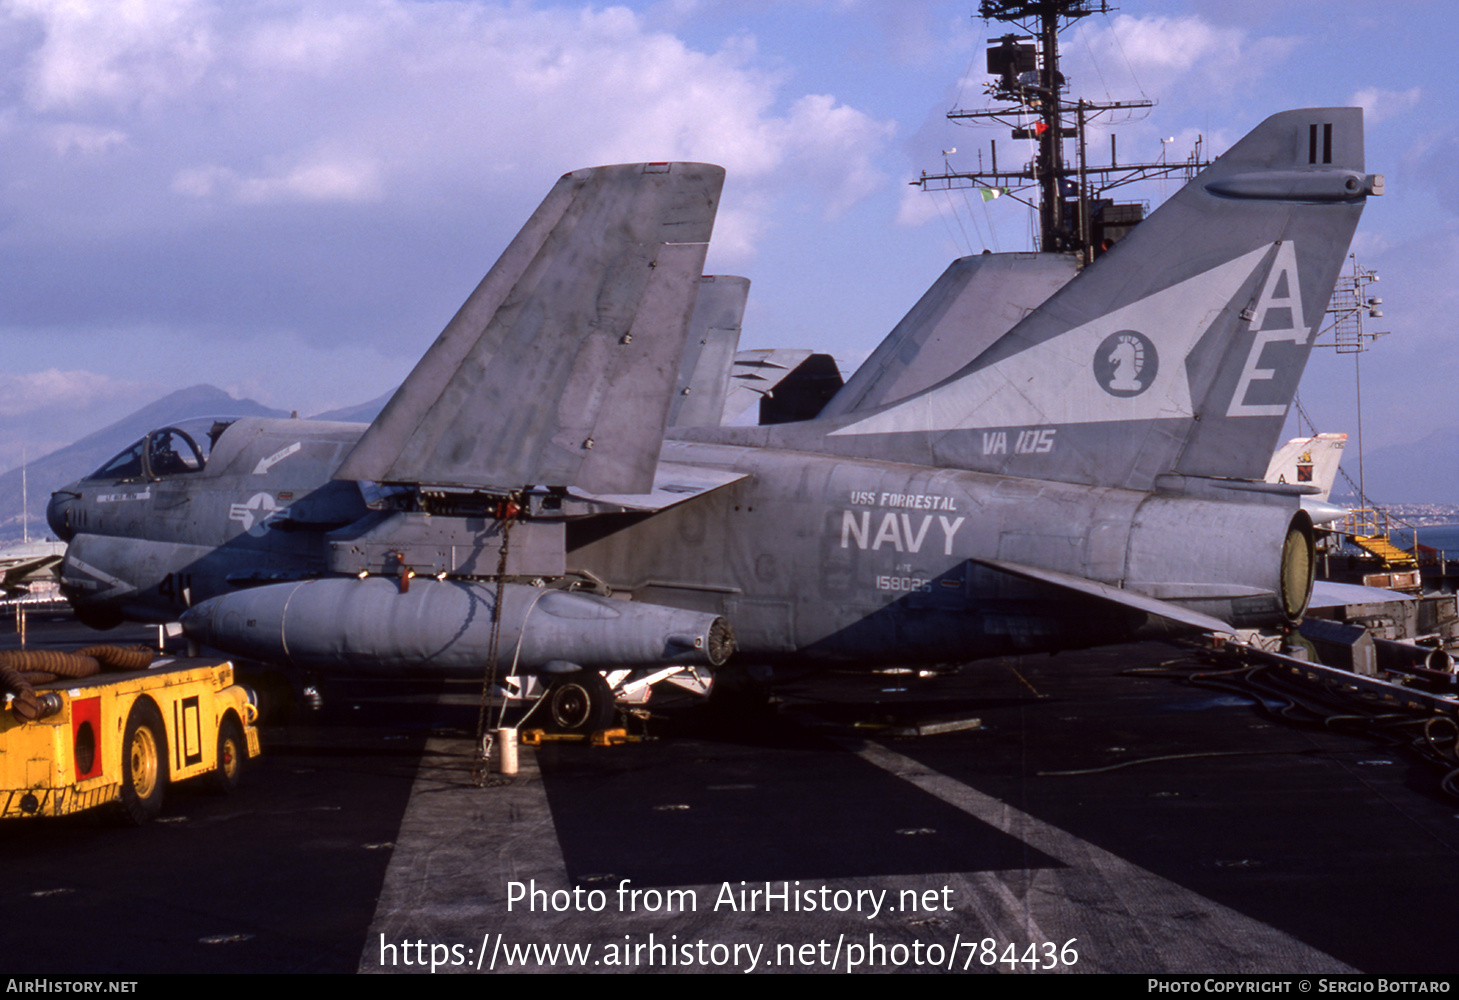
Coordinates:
(1092,474)
(29,563)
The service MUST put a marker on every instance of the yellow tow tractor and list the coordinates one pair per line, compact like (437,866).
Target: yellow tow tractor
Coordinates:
(79,742)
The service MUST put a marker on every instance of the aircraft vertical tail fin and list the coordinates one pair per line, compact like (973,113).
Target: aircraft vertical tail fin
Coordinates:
(1179,350)
(709,352)
(1310,461)
(559,368)
(973,303)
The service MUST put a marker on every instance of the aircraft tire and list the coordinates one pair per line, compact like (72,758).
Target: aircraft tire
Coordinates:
(739,694)
(100,619)
(580,702)
(232,752)
(144,764)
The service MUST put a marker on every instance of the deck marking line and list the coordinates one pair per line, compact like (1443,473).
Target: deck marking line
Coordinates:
(1146,923)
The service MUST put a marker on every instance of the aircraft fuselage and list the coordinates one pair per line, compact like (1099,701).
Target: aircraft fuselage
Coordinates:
(1092,473)
(807,556)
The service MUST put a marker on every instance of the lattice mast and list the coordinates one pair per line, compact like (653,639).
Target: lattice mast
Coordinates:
(1073,217)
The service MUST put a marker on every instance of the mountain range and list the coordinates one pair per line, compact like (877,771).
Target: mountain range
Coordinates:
(43,475)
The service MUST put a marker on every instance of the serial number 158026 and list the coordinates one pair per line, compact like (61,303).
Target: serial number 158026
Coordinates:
(904,584)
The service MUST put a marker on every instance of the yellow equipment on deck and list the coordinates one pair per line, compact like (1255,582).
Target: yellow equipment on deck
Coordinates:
(122,737)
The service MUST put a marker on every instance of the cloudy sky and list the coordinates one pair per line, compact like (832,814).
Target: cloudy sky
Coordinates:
(289,198)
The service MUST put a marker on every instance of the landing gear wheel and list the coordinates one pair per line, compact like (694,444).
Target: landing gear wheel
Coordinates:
(580,702)
(741,695)
(232,752)
(144,764)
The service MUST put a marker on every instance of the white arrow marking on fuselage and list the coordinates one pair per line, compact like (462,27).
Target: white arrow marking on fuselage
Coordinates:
(117,586)
(265,464)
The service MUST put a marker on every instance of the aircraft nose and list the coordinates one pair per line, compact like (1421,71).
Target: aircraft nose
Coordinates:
(58,513)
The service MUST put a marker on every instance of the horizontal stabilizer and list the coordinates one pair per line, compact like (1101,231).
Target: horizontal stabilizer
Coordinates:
(1149,605)
(1323,513)
(1327,594)
(674,482)
(754,375)
(14,578)
(558,370)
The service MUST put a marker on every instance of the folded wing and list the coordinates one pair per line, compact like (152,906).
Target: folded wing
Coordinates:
(559,369)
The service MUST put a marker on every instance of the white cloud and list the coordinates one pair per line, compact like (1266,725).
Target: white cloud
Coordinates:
(315,40)
(599,84)
(1378,104)
(1367,243)
(113,51)
(918,206)
(329,101)
(342,171)
(1155,55)
(56,389)
(334,101)
(321,180)
(829,141)
(737,229)
(85,140)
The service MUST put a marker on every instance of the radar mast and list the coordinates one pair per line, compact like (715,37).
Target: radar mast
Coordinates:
(1074,214)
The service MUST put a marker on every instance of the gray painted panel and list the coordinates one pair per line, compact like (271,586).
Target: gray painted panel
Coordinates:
(974,302)
(709,352)
(556,370)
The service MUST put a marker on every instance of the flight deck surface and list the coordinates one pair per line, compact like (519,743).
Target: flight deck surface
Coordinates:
(1230,842)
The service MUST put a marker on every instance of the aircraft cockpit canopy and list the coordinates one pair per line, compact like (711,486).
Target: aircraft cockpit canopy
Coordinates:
(175,450)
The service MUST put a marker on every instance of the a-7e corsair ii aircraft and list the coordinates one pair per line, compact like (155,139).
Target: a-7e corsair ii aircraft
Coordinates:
(1093,475)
